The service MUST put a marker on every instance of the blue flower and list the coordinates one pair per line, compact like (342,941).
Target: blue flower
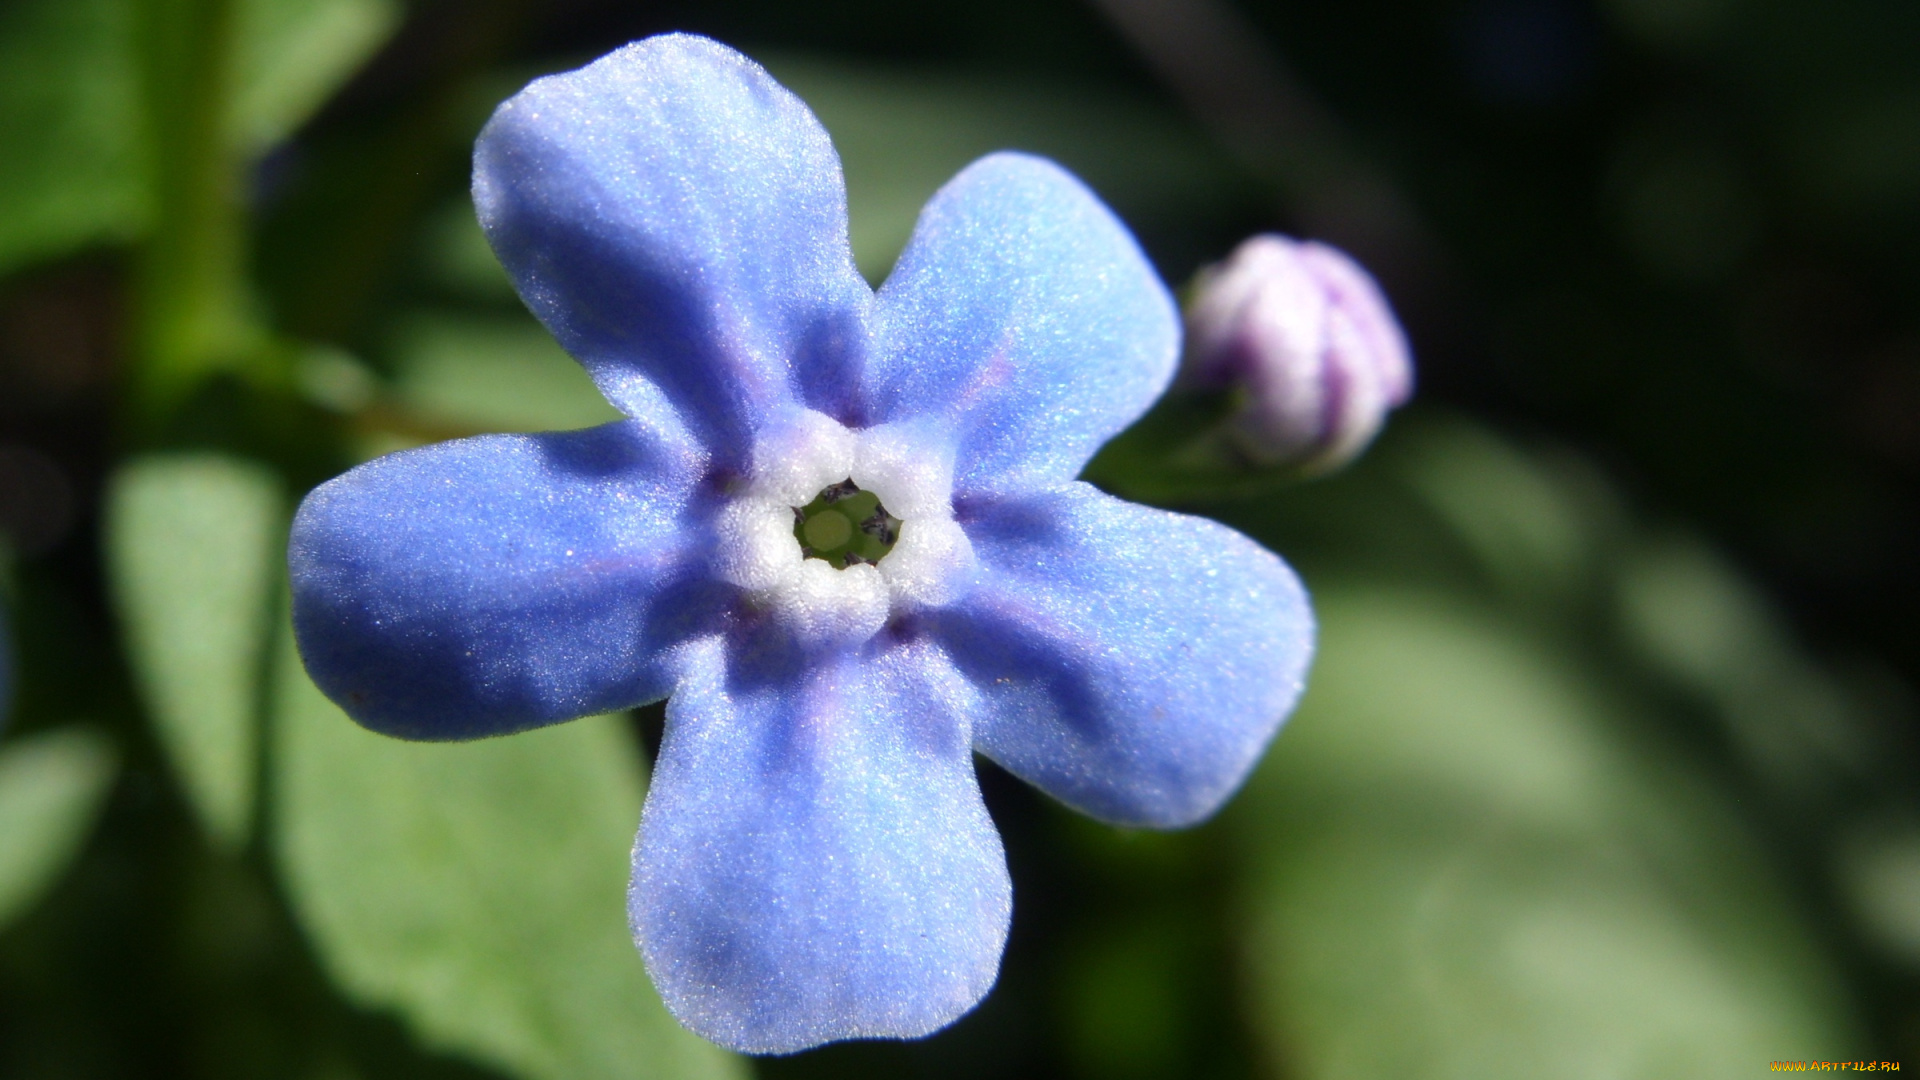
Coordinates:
(814,862)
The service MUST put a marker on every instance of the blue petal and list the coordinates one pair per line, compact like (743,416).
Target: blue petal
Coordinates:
(1137,661)
(814,862)
(678,220)
(499,583)
(1024,314)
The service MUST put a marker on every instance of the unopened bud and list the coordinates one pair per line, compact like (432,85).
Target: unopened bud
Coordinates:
(1304,337)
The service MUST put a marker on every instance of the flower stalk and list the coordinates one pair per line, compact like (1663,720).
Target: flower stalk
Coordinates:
(191,309)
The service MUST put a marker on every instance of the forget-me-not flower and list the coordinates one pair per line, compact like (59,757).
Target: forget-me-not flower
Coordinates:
(839,531)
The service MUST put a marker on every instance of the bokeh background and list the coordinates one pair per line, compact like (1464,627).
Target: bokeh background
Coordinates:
(1607,767)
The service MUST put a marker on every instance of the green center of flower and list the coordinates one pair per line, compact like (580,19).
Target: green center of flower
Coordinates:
(844,526)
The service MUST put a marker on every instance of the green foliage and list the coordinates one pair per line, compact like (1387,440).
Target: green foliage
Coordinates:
(293,54)
(1524,528)
(1179,453)
(1461,864)
(493,373)
(901,134)
(1122,1003)
(191,544)
(221,80)
(456,258)
(477,889)
(75,167)
(1880,872)
(70,170)
(51,788)
(1695,620)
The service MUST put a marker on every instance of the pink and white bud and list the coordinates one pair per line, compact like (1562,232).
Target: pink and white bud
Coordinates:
(1305,336)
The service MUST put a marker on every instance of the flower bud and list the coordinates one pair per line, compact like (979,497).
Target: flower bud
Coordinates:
(1307,341)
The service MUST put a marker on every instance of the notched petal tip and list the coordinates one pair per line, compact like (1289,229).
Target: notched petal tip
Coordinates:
(734,1025)
(1138,662)
(495,584)
(1025,316)
(678,220)
(815,862)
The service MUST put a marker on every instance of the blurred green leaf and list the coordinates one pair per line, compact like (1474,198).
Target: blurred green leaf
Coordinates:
(191,543)
(1692,617)
(70,173)
(1523,527)
(1682,204)
(1124,997)
(1463,867)
(1858,155)
(1879,874)
(1670,24)
(478,888)
(902,133)
(495,373)
(52,785)
(456,257)
(293,54)
(1179,453)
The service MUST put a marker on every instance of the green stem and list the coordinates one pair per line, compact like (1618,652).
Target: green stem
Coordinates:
(191,312)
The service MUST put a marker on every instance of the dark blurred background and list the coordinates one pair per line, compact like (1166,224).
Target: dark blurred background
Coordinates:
(1608,768)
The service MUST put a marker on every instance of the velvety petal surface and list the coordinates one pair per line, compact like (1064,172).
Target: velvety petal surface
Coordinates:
(1137,661)
(1023,314)
(500,583)
(678,220)
(814,861)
